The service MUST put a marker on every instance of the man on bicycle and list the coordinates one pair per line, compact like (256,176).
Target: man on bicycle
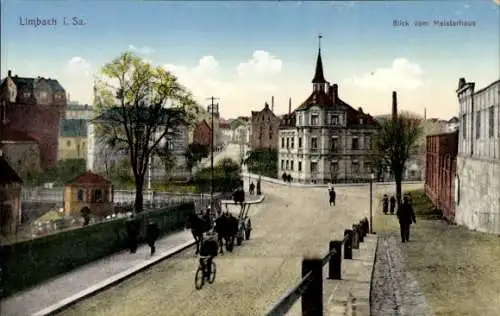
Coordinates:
(208,249)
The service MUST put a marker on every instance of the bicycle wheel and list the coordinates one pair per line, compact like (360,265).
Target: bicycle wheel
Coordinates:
(199,279)
(213,272)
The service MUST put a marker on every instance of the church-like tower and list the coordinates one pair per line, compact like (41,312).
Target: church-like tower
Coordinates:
(319,82)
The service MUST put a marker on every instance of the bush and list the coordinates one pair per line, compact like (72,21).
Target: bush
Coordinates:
(27,263)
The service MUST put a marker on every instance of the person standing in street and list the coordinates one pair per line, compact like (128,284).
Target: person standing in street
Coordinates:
(406,216)
(332,196)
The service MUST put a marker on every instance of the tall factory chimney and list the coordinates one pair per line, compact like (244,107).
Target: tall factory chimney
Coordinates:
(394,105)
(289,105)
(272,104)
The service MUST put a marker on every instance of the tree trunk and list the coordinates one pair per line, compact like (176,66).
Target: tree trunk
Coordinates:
(398,176)
(139,198)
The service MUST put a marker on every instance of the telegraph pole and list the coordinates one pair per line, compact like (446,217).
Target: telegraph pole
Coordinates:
(212,108)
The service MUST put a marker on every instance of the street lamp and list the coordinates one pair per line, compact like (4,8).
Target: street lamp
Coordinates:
(372,177)
(213,109)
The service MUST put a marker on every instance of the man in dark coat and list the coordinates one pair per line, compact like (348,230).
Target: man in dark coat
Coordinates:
(152,234)
(406,216)
(385,204)
(332,195)
(392,204)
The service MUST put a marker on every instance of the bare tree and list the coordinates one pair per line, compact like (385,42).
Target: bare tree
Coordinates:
(394,144)
(138,107)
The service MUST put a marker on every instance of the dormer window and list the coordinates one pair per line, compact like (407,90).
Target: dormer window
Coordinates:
(361,121)
(314,119)
(334,120)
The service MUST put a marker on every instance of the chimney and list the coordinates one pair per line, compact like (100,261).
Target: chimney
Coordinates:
(272,104)
(330,91)
(335,92)
(394,105)
(289,105)
(9,73)
(425,114)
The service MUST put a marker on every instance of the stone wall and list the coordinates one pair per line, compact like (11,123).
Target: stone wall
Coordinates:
(478,194)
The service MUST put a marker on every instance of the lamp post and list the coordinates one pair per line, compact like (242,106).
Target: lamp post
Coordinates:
(212,108)
(372,177)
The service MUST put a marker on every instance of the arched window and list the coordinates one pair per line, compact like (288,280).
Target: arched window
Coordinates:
(80,195)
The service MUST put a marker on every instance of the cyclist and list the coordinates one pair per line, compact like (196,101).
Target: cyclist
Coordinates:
(208,250)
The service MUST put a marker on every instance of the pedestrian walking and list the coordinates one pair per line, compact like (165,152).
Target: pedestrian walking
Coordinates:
(406,216)
(332,195)
(385,204)
(252,188)
(152,234)
(392,204)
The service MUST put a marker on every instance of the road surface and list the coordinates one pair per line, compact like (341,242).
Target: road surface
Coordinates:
(290,223)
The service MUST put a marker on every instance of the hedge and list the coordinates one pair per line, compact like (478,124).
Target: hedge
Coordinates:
(27,263)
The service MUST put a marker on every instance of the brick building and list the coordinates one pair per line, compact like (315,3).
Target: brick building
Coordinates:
(264,128)
(35,106)
(202,133)
(441,163)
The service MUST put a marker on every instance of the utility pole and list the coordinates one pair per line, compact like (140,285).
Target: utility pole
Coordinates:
(212,108)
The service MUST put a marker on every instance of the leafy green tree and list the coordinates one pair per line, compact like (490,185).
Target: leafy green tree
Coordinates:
(65,171)
(195,153)
(138,106)
(263,161)
(393,145)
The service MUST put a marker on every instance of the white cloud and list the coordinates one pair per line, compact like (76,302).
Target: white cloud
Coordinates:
(261,64)
(78,65)
(141,50)
(402,74)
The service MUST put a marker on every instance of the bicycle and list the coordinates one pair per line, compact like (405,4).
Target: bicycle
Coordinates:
(203,274)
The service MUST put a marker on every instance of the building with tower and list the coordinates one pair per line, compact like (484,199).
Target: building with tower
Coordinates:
(325,139)
(31,112)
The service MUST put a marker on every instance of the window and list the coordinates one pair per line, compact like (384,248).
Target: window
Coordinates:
(334,120)
(287,165)
(368,167)
(26,94)
(291,165)
(355,167)
(314,166)
(300,166)
(270,132)
(282,164)
(355,143)
(292,142)
(360,121)
(287,142)
(491,124)
(368,142)
(43,94)
(300,119)
(314,119)
(314,143)
(334,145)
(79,195)
(300,142)
(478,125)
(98,195)
(464,126)
(68,143)
(282,142)
(334,167)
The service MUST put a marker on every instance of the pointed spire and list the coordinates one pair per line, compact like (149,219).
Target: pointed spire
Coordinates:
(318,75)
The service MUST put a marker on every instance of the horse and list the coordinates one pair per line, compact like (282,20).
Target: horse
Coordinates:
(198,226)
(226,227)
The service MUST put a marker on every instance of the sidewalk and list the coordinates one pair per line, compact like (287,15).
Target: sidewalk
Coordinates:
(351,295)
(53,295)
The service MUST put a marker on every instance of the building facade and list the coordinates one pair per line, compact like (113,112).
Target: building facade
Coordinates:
(202,133)
(73,139)
(478,161)
(441,162)
(325,139)
(265,125)
(35,106)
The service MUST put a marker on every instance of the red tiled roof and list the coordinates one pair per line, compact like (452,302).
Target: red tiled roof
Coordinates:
(7,174)
(88,177)
(13,135)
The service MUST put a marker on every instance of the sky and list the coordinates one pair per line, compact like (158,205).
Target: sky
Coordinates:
(246,52)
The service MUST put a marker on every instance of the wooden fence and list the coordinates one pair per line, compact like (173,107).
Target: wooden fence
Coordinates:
(310,288)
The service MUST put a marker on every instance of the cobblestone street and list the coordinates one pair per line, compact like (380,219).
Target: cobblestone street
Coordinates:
(292,222)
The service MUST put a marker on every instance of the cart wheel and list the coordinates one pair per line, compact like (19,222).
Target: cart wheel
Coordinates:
(213,272)
(199,278)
